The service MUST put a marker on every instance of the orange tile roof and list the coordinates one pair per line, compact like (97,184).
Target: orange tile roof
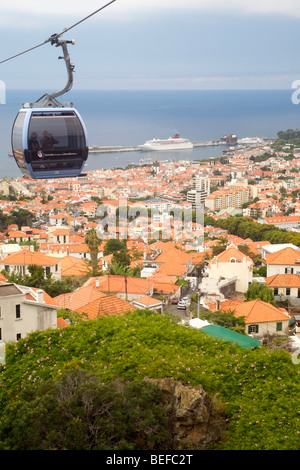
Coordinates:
(62,323)
(61,231)
(257,311)
(225,306)
(71,266)
(30,257)
(147,300)
(230,253)
(106,305)
(163,278)
(275,219)
(174,255)
(171,268)
(285,256)
(81,296)
(283,280)
(120,284)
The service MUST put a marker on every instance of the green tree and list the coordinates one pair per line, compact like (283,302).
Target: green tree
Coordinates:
(22,217)
(226,319)
(259,291)
(93,242)
(36,278)
(113,245)
(121,258)
(81,413)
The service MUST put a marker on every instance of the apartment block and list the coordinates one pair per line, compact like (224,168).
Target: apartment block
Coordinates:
(227,198)
(201,190)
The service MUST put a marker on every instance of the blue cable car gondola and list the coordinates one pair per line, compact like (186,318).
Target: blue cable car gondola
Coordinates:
(49,138)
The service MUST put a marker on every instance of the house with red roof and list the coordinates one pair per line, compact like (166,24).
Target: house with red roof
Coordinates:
(232,263)
(261,318)
(92,303)
(125,287)
(285,261)
(20,261)
(285,287)
(149,303)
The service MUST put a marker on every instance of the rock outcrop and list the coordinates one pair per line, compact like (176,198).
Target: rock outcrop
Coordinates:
(197,421)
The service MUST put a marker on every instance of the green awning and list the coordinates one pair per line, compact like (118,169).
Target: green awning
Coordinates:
(292,321)
(228,335)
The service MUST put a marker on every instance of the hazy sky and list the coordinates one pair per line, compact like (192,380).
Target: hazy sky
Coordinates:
(154,44)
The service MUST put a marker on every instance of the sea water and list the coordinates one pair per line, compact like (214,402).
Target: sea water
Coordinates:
(129,118)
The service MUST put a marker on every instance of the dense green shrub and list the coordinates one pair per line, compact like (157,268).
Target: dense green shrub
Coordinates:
(79,412)
(259,389)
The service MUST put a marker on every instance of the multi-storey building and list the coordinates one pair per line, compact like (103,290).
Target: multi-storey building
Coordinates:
(201,190)
(227,198)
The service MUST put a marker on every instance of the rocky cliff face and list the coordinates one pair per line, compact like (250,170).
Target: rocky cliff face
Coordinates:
(197,422)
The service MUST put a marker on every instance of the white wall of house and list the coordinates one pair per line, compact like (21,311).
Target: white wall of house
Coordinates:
(273,269)
(280,328)
(243,272)
(19,317)
(54,270)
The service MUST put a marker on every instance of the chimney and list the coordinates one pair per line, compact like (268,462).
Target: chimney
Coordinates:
(97,282)
(40,296)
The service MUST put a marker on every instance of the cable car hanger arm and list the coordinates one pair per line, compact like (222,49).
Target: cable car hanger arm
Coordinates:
(50,100)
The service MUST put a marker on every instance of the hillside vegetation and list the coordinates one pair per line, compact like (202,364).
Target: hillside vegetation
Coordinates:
(259,390)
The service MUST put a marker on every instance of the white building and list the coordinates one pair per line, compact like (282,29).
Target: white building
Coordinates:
(201,190)
(232,263)
(24,310)
(286,261)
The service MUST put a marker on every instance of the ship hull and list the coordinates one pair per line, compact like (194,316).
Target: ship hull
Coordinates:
(169,144)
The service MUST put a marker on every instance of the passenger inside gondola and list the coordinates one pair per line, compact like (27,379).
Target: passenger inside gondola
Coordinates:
(33,143)
(48,141)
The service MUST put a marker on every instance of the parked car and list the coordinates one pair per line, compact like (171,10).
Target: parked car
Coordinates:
(186,300)
(181,305)
(174,301)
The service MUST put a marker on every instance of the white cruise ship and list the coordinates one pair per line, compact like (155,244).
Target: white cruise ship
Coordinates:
(250,141)
(172,143)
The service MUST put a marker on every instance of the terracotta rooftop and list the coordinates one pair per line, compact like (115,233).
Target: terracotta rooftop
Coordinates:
(81,296)
(30,257)
(283,280)
(230,253)
(147,301)
(62,323)
(106,305)
(72,266)
(257,311)
(285,256)
(120,284)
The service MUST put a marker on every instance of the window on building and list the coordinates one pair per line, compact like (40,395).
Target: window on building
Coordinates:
(287,291)
(252,329)
(289,270)
(18,336)
(279,326)
(18,311)
(232,260)
(0,334)
(47,270)
(276,291)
